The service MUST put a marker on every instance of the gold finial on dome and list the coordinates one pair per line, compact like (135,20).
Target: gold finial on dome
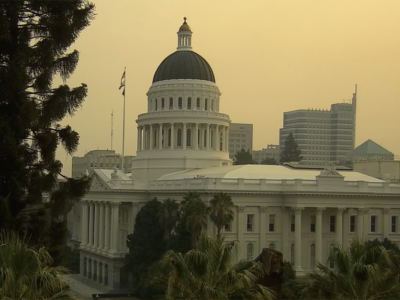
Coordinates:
(185,26)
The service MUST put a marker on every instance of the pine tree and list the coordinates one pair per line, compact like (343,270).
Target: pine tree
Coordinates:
(35,37)
(291,151)
(244,157)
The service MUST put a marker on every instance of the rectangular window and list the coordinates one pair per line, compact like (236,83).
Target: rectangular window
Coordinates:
(171,103)
(292,227)
(271,223)
(162,103)
(101,164)
(352,223)
(250,220)
(189,103)
(180,103)
(198,102)
(373,223)
(394,224)
(312,224)
(332,223)
(205,104)
(227,227)
(156,104)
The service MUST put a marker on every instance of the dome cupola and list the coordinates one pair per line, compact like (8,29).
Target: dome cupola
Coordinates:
(184,63)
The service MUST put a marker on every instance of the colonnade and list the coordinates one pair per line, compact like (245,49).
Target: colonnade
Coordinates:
(194,136)
(100,226)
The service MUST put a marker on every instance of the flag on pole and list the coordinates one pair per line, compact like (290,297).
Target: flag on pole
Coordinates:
(122,83)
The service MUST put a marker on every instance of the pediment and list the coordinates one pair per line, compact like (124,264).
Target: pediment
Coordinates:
(98,184)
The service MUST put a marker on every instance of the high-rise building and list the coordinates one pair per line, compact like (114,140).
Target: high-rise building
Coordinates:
(240,137)
(104,159)
(322,135)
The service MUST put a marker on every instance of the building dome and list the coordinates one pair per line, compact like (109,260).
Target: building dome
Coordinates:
(184,26)
(184,65)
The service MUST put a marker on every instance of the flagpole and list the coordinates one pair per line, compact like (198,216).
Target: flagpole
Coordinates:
(123,126)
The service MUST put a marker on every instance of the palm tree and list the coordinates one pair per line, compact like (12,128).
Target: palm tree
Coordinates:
(361,272)
(208,272)
(195,212)
(220,210)
(26,272)
(168,216)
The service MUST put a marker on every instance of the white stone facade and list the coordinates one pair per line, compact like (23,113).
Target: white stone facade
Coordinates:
(301,218)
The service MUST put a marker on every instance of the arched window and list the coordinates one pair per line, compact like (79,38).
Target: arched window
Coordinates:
(162,103)
(205,104)
(271,246)
(171,103)
(180,103)
(169,137)
(156,105)
(90,269)
(106,274)
(250,251)
(292,254)
(188,137)
(312,255)
(85,266)
(179,138)
(101,272)
(331,260)
(189,103)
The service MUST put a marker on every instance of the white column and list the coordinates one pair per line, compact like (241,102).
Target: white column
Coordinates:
(318,234)
(91,215)
(115,226)
(216,137)
(297,241)
(151,137)
(160,137)
(138,139)
(172,136)
(223,138)
(101,229)
(241,225)
(96,225)
(84,224)
(141,138)
(226,138)
(360,223)
(184,136)
(386,222)
(263,227)
(208,139)
(107,227)
(196,142)
(339,225)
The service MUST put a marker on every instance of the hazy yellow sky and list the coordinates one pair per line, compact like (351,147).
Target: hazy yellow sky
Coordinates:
(268,57)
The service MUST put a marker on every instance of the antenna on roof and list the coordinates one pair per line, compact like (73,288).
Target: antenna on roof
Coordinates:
(112,128)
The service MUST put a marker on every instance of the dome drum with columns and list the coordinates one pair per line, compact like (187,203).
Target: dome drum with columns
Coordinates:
(182,128)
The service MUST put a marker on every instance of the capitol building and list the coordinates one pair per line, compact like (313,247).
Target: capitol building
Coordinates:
(182,146)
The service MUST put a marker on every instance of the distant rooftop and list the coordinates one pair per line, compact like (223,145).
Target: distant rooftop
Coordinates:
(314,167)
(369,147)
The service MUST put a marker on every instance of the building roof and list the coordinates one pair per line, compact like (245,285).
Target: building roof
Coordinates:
(261,172)
(184,65)
(369,147)
(184,26)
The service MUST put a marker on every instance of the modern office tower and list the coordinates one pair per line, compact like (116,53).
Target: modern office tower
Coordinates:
(322,135)
(272,151)
(104,159)
(240,137)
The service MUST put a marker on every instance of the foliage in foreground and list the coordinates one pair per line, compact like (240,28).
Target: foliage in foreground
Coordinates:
(363,271)
(291,151)
(26,272)
(35,40)
(207,272)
